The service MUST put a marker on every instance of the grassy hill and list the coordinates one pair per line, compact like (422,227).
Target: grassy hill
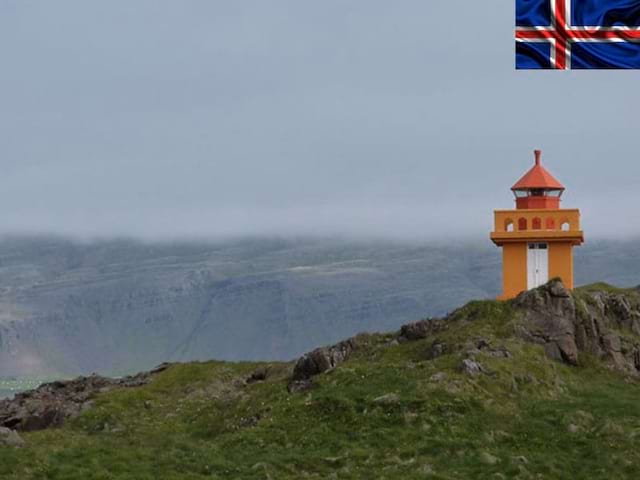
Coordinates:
(394,409)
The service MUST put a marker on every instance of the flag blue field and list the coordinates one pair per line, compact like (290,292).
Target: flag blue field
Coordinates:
(577,34)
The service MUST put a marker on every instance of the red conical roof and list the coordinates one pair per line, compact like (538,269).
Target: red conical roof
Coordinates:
(538,177)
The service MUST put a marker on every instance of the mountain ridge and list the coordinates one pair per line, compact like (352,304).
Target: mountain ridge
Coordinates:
(116,307)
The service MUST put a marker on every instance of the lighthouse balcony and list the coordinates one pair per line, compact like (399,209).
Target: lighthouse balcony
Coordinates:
(537,224)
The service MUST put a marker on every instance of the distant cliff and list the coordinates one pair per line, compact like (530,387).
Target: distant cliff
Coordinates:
(121,306)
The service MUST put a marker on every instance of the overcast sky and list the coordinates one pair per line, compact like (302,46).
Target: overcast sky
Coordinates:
(215,118)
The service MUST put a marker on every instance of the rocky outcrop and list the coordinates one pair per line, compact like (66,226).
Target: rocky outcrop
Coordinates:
(421,329)
(319,361)
(603,323)
(548,317)
(322,359)
(51,404)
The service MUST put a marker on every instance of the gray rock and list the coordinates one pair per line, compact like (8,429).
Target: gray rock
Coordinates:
(437,349)
(500,352)
(323,359)
(482,345)
(258,375)
(297,386)
(421,329)
(557,289)
(611,342)
(52,403)
(471,367)
(567,324)
(10,438)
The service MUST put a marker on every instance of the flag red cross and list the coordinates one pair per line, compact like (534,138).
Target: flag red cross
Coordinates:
(561,35)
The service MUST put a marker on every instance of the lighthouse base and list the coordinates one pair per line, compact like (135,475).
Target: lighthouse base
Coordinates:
(530,263)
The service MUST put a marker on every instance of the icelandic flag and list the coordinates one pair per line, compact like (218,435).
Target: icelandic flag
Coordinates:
(577,34)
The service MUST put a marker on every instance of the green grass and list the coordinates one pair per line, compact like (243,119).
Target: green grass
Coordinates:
(527,418)
(604,287)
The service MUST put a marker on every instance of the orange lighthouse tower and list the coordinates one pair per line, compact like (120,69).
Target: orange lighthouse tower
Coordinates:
(537,238)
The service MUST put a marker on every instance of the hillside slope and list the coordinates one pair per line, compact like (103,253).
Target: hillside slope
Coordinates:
(545,386)
(117,307)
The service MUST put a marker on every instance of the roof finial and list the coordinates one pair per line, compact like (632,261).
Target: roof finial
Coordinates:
(538,153)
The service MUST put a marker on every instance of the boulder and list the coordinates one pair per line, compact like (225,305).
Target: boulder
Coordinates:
(10,438)
(471,367)
(323,359)
(258,375)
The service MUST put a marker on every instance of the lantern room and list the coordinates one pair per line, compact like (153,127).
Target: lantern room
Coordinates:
(537,188)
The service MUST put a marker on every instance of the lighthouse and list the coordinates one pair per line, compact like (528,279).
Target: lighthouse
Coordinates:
(537,237)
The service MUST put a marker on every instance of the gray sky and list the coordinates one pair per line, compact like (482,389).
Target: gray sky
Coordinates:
(213,118)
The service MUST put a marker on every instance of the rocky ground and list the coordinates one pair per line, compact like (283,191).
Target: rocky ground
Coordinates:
(601,322)
(592,322)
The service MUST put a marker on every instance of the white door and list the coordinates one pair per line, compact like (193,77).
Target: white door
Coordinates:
(537,265)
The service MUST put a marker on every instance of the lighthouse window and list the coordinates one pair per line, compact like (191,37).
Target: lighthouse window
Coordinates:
(522,224)
(508,225)
(539,246)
